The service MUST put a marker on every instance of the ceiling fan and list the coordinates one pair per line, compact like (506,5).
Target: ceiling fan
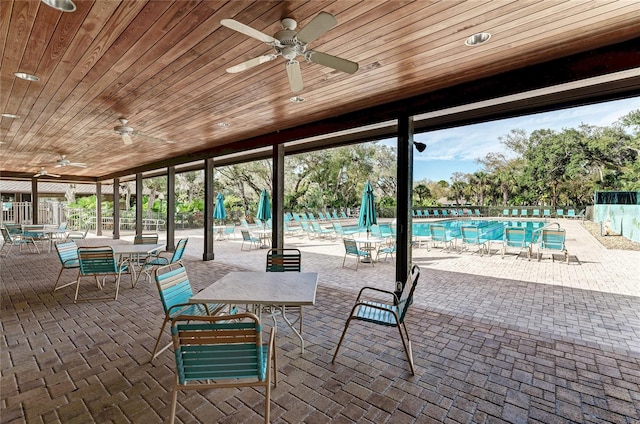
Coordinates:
(63,161)
(290,44)
(125,132)
(43,173)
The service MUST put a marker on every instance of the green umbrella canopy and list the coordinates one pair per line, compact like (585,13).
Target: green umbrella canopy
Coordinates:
(219,212)
(367,216)
(264,206)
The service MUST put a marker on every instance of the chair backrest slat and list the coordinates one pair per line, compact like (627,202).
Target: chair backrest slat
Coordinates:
(150,238)
(180,248)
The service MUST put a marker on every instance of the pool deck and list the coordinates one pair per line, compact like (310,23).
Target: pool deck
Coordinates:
(494,340)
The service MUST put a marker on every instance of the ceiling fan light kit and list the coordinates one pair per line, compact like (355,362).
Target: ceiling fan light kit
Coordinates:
(290,44)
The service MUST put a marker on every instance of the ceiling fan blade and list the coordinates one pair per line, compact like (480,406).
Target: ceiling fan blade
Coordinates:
(77,164)
(251,63)
(126,138)
(334,62)
(37,175)
(322,23)
(295,76)
(52,175)
(247,30)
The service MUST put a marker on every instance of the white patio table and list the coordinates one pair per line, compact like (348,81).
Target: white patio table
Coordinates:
(276,289)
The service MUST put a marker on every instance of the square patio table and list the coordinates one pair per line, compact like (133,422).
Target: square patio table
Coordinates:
(276,289)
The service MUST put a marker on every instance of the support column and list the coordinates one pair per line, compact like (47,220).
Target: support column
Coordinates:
(171,208)
(404,200)
(277,217)
(98,208)
(209,197)
(34,200)
(116,208)
(139,203)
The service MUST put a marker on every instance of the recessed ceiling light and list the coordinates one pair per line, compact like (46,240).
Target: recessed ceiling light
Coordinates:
(62,5)
(10,115)
(477,39)
(223,124)
(25,76)
(297,99)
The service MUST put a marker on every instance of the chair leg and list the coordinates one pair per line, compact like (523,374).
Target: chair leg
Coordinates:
(174,400)
(155,348)
(407,347)
(346,326)
(55,287)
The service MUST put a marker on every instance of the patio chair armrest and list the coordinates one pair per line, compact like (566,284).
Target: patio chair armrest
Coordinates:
(362,290)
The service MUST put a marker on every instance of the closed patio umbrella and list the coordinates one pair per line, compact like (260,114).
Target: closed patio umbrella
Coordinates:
(367,216)
(264,206)
(219,212)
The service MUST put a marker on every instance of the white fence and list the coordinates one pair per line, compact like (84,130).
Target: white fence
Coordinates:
(53,213)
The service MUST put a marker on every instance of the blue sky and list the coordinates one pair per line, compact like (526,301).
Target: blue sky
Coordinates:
(456,149)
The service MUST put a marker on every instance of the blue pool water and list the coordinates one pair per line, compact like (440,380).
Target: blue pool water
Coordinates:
(492,230)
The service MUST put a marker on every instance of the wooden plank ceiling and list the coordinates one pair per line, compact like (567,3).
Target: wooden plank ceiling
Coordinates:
(161,65)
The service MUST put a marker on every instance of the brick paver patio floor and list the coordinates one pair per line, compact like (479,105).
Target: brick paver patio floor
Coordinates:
(494,340)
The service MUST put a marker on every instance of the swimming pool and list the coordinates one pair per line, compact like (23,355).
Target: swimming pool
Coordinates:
(491,229)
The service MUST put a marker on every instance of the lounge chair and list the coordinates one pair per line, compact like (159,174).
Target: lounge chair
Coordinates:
(436,214)
(559,213)
(571,214)
(340,230)
(524,213)
(514,213)
(535,213)
(477,213)
(471,236)
(322,232)
(516,237)
(546,213)
(391,314)
(439,235)
(553,240)
(505,213)
(421,234)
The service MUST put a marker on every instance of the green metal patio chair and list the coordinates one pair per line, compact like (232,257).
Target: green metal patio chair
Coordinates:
(391,314)
(222,352)
(68,255)
(175,291)
(351,249)
(11,240)
(153,262)
(100,262)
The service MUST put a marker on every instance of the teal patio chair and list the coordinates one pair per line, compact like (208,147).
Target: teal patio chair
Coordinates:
(553,240)
(162,258)
(546,213)
(514,213)
(322,232)
(175,291)
(10,240)
(439,234)
(471,236)
(535,213)
(342,231)
(351,249)
(571,214)
(517,238)
(389,314)
(524,213)
(388,250)
(505,213)
(559,213)
(68,255)
(101,262)
(286,260)
(249,239)
(222,352)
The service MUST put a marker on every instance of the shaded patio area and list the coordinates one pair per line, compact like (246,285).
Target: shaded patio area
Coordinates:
(494,340)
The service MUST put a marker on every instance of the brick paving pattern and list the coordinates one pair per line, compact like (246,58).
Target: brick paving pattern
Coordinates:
(494,341)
